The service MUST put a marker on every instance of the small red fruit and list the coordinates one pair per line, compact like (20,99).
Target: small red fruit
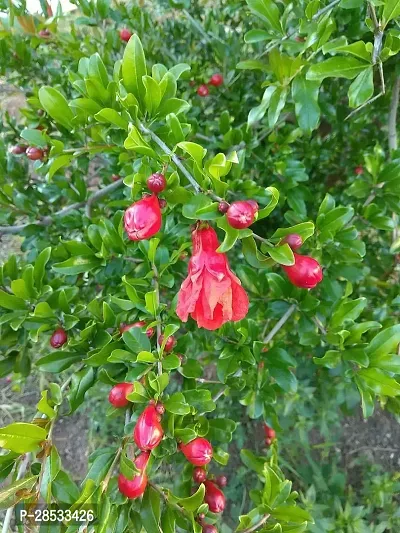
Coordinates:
(269,432)
(160,408)
(169,345)
(214,497)
(143,219)
(223,207)
(198,451)
(209,528)
(133,488)
(240,215)
(140,324)
(148,431)
(34,153)
(254,205)
(358,170)
(125,35)
(118,393)
(115,177)
(45,33)
(59,338)
(18,149)
(294,240)
(216,80)
(306,272)
(156,182)
(199,475)
(221,481)
(203,91)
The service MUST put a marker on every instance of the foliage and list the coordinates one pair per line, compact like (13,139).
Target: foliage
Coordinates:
(307,88)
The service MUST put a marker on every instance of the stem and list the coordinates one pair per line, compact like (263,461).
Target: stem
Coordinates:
(48,220)
(280,323)
(21,472)
(157,289)
(165,497)
(394,104)
(257,525)
(174,158)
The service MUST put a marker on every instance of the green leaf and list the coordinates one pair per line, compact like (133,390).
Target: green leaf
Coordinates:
(192,503)
(134,68)
(336,67)
(43,310)
(362,88)
(253,256)
(291,513)
(177,404)
(55,104)
(379,382)
(139,394)
(221,429)
(200,399)
(268,12)
(34,137)
(305,96)
(256,36)
(267,210)
(57,361)
(81,382)
(283,254)
(158,383)
(136,340)
(9,301)
(15,492)
(257,113)
(59,162)
(112,117)
(20,437)
(44,407)
(348,310)
(277,103)
(77,265)
(152,97)
(305,230)
(150,511)
(385,342)
(391,11)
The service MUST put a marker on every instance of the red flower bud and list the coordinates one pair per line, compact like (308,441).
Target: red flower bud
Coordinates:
(169,345)
(160,408)
(34,153)
(18,149)
(216,80)
(199,474)
(143,218)
(156,182)
(125,35)
(306,273)
(223,207)
(203,90)
(133,488)
(240,214)
(45,33)
(254,205)
(269,432)
(214,497)
(59,338)
(209,528)
(148,431)
(358,170)
(198,451)
(293,240)
(117,396)
(221,481)
(115,177)
(268,441)
(140,324)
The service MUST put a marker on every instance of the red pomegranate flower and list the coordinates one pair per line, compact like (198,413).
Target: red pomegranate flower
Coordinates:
(211,293)
(142,219)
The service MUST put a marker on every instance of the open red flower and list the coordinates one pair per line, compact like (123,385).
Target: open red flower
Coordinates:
(211,293)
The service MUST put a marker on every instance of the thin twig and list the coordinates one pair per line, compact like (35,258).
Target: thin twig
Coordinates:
(21,472)
(48,220)
(394,104)
(364,105)
(280,323)
(260,523)
(173,157)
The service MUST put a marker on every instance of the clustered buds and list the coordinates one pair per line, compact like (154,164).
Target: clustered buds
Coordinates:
(59,338)
(270,434)
(216,80)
